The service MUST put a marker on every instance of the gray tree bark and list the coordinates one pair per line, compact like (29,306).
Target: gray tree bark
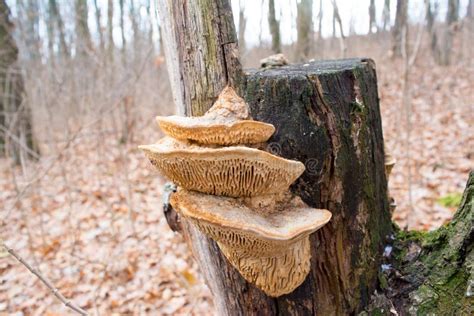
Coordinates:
(274,26)
(16,132)
(399,27)
(304,26)
(83,35)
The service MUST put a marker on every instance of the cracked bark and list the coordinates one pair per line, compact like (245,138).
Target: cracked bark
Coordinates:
(327,116)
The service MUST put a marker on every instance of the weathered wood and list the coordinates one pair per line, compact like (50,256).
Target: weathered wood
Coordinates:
(201,51)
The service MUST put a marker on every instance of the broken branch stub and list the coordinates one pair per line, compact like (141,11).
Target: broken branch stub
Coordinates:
(238,195)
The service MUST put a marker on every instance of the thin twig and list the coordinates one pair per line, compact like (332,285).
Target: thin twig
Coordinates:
(46,282)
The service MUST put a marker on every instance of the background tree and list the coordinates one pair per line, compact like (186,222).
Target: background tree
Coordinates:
(242,25)
(400,27)
(274,26)
(83,35)
(452,16)
(386,15)
(372,21)
(55,15)
(304,26)
(16,132)
(98,25)
(110,27)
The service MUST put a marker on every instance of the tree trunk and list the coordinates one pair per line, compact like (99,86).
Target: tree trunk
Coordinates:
(16,133)
(55,14)
(304,28)
(110,28)
(386,15)
(432,273)
(203,58)
(274,26)
(372,22)
(400,25)
(98,25)
(122,28)
(83,35)
(242,25)
(327,115)
(449,30)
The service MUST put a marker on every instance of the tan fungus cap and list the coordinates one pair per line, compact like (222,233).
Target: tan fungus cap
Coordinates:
(270,250)
(226,123)
(235,171)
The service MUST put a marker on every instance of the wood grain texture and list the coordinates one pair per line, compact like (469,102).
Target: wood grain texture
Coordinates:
(201,51)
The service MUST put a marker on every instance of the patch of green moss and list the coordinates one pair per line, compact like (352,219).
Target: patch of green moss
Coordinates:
(450,200)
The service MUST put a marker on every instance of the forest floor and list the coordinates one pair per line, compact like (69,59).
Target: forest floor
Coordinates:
(90,218)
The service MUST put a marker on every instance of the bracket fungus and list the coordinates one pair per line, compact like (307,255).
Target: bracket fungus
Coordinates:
(226,123)
(267,242)
(239,195)
(230,171)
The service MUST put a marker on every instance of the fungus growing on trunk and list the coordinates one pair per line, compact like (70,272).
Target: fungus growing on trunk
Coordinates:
(226,123)
(265,238)
(242,199)
(230,171)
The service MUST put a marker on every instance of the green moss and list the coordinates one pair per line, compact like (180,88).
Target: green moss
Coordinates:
(450,200)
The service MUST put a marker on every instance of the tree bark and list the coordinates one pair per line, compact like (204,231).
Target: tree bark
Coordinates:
(452,16)
(56,15)
(98,26)
(16,132)
(242,25)
(304,26)
(203,57)
(372,22)
(326,115)
(83,35)
(386,15)
(432,273)
(110,27)
(274,26)
(400,25)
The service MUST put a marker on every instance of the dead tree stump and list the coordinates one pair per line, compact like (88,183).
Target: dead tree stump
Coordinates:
(327,116)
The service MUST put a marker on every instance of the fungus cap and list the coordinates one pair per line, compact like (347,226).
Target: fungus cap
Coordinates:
(226,123)
(270,249)
(230,171)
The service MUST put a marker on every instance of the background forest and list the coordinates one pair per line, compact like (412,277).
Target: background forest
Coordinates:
(81,82)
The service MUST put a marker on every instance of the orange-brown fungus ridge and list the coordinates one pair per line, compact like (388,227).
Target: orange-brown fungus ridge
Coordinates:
(239,195)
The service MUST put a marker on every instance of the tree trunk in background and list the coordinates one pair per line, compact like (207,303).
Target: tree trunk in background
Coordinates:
(386,15)
(16,133)
(110,28)
(372,21)
(32,38)
(400,25)
(431,13)
(304,28)
(56,16)
(335,104)
(274,26)
(133,19)
(242,25)
(150,24)
(98,26)
(122,29)
(452,16)
(337,17)
(470,9)
(83,35)
(320,20)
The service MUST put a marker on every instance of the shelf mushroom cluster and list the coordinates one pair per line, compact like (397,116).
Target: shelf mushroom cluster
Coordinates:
(239,195)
